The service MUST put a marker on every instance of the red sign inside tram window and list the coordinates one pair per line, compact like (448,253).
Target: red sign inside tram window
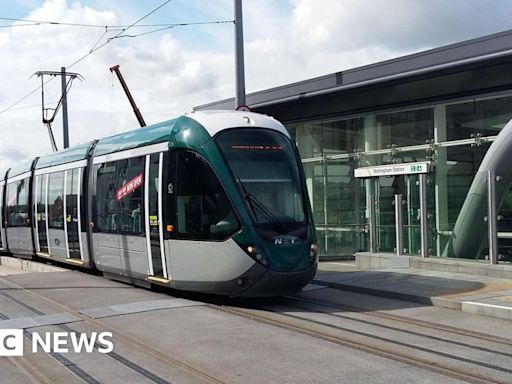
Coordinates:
(130,186)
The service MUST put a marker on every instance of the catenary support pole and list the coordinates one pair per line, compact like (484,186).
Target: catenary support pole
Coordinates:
(65,127)
(239,56)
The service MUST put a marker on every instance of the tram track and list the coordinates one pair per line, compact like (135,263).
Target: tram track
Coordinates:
(433,360)
(317,329)
(34,372)
(380,315)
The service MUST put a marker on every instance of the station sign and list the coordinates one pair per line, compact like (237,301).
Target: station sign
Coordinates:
(393,169)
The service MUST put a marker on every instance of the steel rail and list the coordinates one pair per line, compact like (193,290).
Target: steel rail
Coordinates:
(118,334)
(422,323)
(308,327)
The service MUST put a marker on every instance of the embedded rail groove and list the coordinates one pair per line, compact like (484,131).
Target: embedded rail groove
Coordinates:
(309,327)
(119,334)
(421,323)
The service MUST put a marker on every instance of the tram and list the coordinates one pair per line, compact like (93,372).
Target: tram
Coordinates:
(212,202)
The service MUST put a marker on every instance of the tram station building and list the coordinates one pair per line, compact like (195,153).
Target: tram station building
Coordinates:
(439,109)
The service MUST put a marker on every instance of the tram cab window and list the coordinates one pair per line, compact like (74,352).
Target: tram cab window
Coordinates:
(17,203)
(203,209)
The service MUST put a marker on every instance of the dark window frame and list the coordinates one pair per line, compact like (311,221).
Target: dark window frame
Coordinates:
(109,213)
(175,155)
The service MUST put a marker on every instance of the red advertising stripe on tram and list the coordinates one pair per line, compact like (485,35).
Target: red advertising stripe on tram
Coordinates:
(130,186)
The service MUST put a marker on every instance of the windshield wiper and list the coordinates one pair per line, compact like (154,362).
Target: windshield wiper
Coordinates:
(267,213)
(254,202)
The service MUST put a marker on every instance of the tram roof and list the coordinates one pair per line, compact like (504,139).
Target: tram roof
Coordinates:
(21,168)
(67,155)
(141,137)
(211,121)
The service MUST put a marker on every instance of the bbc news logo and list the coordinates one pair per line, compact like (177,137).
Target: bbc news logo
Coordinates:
(11,342)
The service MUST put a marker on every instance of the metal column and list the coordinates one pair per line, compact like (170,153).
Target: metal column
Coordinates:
(423,215)
(399,225)
(65,125)
(491,217)
(239,56)
(324,185)
(371,222)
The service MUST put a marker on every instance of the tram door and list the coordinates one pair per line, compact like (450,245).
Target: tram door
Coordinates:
(386,187)
(41,213)
(154,204)
(72,212)
(56,209)
(2,239)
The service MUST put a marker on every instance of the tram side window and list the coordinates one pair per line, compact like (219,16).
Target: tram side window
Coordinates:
(119,191)
(56,201)
(106,206)
(129,196)
(17,203)
(203,209)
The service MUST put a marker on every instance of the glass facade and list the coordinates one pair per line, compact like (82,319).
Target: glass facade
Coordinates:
(453,136)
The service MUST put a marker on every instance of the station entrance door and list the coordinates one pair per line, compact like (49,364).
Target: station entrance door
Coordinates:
(397,207)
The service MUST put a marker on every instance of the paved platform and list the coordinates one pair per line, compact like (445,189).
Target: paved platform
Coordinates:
(161,338)
(481,295)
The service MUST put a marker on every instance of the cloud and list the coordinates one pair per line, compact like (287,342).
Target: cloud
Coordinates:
(171,72)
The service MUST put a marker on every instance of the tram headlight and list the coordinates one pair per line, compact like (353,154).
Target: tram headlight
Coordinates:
(313,253)
(257,254)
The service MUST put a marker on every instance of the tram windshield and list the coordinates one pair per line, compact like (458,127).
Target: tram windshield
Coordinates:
(265,167)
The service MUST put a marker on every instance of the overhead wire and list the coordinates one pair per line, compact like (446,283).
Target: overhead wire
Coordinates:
(111,27)
(95,48)
(170,26)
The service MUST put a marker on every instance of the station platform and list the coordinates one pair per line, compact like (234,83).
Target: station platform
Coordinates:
(473,293)
(168,337)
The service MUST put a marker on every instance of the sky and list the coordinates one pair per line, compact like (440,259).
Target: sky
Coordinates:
(171,71)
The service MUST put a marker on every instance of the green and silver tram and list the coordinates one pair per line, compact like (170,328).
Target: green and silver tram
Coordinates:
(211,201)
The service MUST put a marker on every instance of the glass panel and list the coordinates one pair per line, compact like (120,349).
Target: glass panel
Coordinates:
(316,138)
(72,213)
(105,215)
(492,115)
(411,216)
(460,121)
(55,201)
(265,166)
(17,203)
(344,232)
(453,180)
(315,185)
(403,129)
(462,164)
(129,196)
(41,212)
(386,188)
(204,211)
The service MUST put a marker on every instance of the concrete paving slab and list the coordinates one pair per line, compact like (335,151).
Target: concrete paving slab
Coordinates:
(37,321)
(140,306)
(472,293)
